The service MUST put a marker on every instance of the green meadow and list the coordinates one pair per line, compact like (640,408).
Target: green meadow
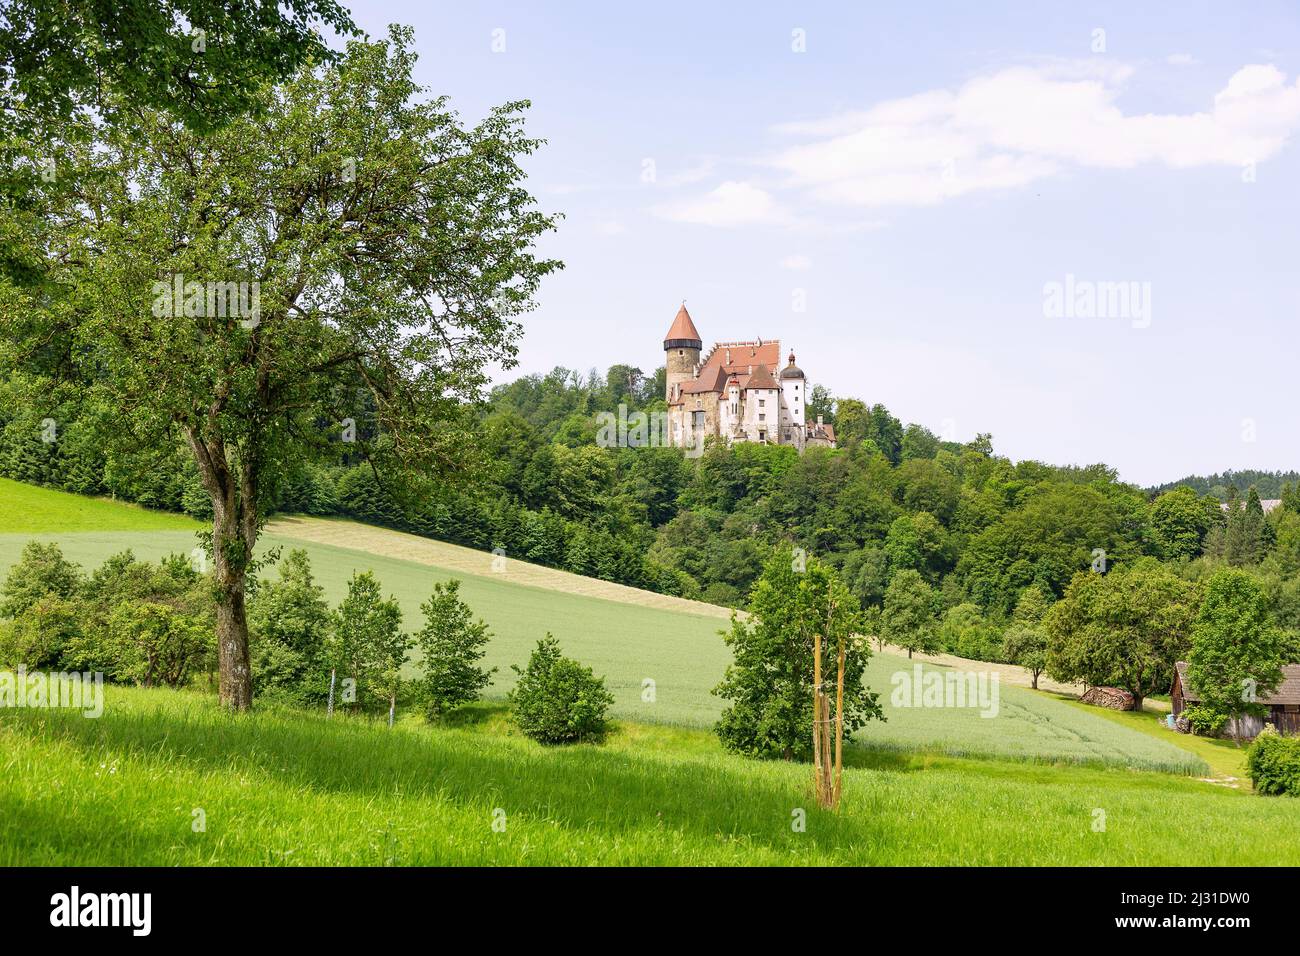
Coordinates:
(165,778)
(682,653)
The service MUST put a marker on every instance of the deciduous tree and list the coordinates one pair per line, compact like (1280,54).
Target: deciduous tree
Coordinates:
(386,250)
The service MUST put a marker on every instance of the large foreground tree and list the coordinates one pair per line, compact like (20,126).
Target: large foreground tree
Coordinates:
(201,60)
(386,249)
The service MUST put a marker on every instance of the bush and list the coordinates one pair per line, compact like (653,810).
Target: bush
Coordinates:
(152,644)
(142,622)
(1205,721)
(41,570)
(557,700)
(37,637)
(1273,762)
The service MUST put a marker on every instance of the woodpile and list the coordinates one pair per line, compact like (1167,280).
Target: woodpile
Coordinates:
(1111,697)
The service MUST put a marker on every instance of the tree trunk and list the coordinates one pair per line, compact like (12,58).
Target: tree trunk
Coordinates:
(1034,680)
(234,533)
(235,674)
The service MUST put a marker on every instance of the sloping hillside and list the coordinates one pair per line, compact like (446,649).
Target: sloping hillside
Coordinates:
(637,640)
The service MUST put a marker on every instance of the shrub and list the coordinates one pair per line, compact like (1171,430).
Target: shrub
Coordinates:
(1205,721)
(557,700)
(1273,762)
(37,637)
(154,644)
(143,622)
(41,570)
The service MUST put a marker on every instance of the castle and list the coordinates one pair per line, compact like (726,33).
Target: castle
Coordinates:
(734,394)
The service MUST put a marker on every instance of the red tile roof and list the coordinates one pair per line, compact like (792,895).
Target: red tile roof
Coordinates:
(682,327)
(739,356)
(761,377)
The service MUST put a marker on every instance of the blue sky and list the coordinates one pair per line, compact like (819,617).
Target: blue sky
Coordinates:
(895,199)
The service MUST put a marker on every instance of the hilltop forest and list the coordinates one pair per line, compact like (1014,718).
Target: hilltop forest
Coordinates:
(959,533)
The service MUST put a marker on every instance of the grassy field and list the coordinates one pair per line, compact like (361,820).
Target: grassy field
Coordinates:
(26,509)
(624,641)
(1226,760)
(289,788)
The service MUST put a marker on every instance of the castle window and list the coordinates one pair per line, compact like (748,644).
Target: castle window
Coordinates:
(761,403)
(762,418)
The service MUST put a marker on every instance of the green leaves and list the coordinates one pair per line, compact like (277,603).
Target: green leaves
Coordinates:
(769,684)
(557,700)
(451,644)
(1125,628)
(1237,652)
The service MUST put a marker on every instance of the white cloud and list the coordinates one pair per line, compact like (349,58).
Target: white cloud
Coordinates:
(730,204)
(1182,59)
(796,263)
(1021,124)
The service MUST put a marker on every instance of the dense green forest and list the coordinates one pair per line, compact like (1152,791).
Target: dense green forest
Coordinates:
(1269,484)
(942,539)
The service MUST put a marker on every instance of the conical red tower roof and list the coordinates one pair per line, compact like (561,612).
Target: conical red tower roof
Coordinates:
(683,333)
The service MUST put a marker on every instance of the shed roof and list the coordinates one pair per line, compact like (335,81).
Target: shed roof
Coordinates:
(1287,692)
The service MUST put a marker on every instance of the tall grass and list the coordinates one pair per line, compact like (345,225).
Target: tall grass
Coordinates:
(283,787)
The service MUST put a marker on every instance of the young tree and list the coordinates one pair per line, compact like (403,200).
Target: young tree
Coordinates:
(367,643)
(1025,641)
(908,617)
(1125,628)
(1237,653)
(769,683)
(290,621)
(452,643)
(384,250)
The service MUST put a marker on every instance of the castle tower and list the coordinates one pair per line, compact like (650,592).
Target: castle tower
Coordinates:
(682,347)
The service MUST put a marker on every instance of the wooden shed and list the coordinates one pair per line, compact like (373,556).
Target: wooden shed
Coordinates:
(1283,704)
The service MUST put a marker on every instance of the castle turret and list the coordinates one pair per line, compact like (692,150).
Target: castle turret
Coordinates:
(682,347)
(793,386)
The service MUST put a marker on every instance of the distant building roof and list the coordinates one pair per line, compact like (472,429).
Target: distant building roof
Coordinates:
(1268,504)
(1287,692)
(739,356)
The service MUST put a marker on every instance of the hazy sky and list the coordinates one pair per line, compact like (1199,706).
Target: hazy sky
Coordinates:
(893,191)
